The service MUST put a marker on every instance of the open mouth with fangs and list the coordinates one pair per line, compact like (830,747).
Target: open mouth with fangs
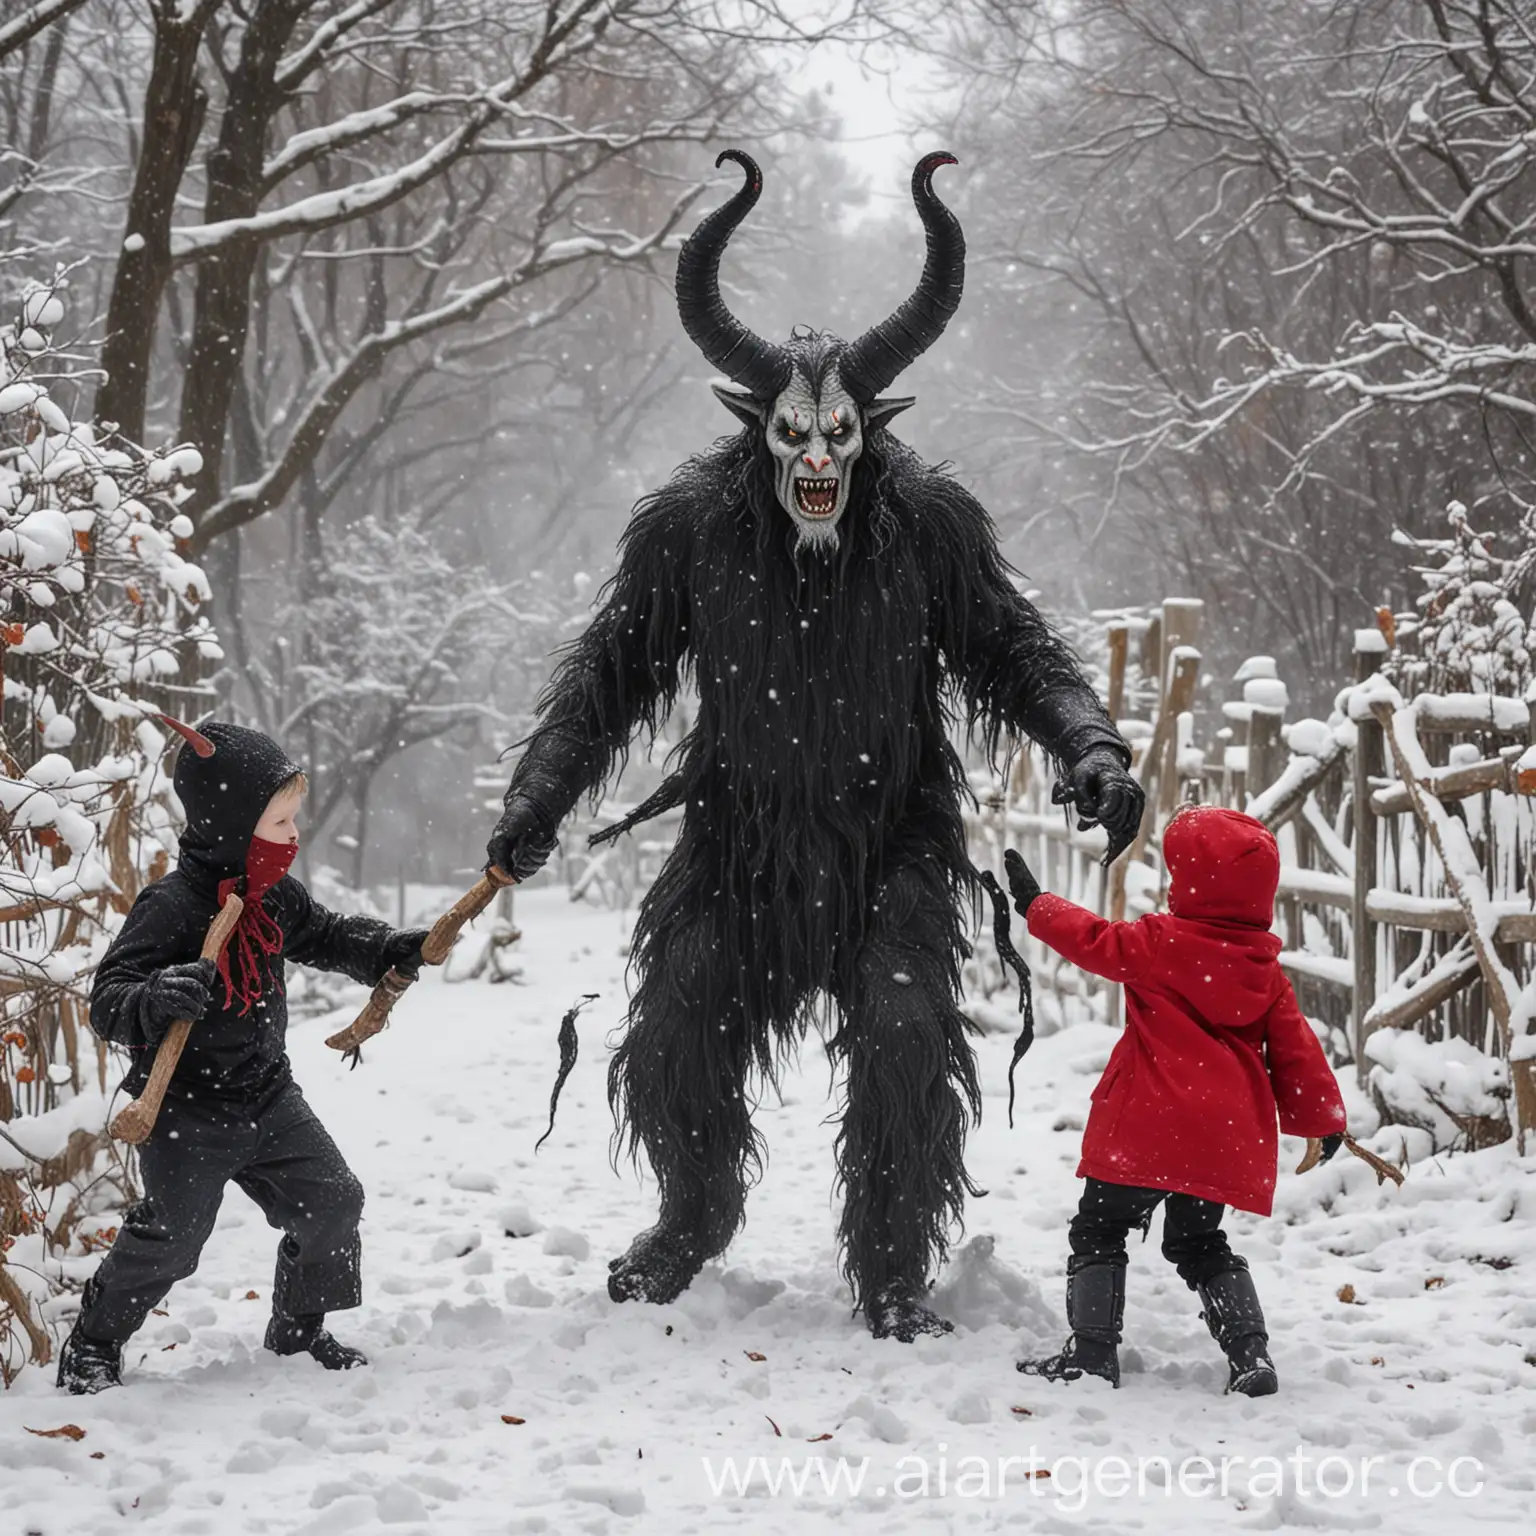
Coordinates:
(816,498)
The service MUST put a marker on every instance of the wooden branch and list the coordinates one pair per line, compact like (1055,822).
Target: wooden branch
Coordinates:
(1379,1166)
(1317,887)
(1449,784)
(1281,800)
(28,910)
(434,951)
(1423,914)
(1424,997)
(18,33)
(1330,970)
(1443,914)
(136,1121)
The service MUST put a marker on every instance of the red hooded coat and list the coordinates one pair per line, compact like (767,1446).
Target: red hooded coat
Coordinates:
(1214,1043)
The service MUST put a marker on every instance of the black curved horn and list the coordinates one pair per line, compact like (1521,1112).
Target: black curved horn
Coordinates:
(757,365)
(869,364)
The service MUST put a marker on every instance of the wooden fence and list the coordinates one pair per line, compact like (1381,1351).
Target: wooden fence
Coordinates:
(1436,877)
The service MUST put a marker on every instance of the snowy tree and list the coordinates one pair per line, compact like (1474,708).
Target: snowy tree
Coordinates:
(1250,300)
(1466,634)
(102,623)
(400,643)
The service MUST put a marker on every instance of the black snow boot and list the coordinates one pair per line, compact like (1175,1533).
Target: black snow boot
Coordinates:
(1095,1307)
(306,1335)
(1236,1320)
(89,1365)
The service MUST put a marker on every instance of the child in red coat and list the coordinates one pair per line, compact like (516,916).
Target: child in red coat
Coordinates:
(1185,1114)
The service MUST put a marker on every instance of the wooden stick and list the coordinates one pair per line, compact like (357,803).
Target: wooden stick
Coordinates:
(1379,1166)
(392,986)
(135,1121)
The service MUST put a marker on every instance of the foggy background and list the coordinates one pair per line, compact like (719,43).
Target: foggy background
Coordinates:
(1246,295)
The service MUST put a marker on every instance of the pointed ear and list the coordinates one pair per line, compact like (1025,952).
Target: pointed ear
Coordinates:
(879,412)
(741,404)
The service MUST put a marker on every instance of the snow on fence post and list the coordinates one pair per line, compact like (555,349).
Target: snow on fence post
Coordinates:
(1369,760)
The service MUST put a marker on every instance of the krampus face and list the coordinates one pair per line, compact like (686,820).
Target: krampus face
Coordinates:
(815,431)
(815,437)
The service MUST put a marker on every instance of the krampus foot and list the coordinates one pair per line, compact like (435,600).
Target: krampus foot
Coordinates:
(898,1314)
(659,1266)
(1076,1359)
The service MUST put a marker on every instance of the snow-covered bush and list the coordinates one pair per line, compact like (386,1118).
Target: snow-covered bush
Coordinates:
(101,625)
(1468,633)
(1457,1093)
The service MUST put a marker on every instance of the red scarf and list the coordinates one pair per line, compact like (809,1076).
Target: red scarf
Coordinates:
(257,934)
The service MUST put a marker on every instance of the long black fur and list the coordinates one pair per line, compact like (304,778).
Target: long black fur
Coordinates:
(569,1043)
(821,853)
(1002,940)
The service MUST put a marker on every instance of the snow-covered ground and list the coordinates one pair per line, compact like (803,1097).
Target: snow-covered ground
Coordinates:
(508,1394)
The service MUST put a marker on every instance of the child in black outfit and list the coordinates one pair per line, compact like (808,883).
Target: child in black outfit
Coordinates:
(233,1111)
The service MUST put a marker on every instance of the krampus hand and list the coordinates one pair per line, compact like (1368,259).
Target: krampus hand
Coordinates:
(1021,881)
(176,992)
(1105,794)
(402,951)
(523,839)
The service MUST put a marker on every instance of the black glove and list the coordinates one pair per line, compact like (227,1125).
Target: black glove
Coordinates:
(402,951)
(1330,1145)
(1105,794)
(176,992)
(522,840)
(1021,881)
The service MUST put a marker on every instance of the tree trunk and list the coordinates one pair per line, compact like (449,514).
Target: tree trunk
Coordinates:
(221,316)
(174,107)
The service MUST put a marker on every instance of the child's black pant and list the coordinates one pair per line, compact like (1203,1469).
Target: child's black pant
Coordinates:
(283,1158)
(1192,1237)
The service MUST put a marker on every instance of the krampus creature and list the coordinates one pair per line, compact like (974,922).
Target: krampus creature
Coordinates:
(838,603)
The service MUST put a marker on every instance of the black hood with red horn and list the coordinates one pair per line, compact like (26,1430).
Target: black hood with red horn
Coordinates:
(224,791)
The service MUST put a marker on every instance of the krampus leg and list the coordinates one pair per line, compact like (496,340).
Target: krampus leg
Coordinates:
(677,1087)
(911,1095)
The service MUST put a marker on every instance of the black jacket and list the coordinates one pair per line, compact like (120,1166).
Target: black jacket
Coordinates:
(227,1055)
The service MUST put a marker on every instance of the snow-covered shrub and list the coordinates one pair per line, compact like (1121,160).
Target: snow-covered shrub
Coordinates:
(1457,1093)
(101,625)
(1468,633)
